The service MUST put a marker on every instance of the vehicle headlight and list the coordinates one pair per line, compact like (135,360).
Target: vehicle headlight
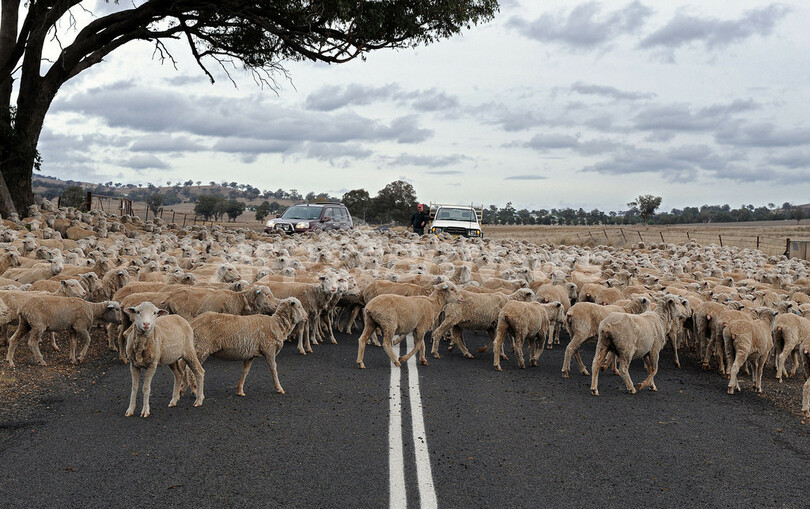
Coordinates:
(437,230)
(271,223)
(475,233)
(303,225)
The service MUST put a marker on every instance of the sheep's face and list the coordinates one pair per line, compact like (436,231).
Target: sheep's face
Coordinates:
(112,313)
(144,315)
(57,265)
(72,288)
(265,302)
(228,273)
(328,283)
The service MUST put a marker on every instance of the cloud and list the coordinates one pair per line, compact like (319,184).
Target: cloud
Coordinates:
(427,160)
(445,172)
(144,162)
(585,26)
(609,92)
(547,142)
(676,163)
(680,117)
(331,98)
(162,143)
(794,159)
(334,151)
(685,29)
(526,177)
(763,134)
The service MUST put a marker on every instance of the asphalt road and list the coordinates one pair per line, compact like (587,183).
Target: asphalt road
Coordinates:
(517,438)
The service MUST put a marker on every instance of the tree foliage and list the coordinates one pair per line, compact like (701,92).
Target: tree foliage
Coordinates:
(262,210)
(646,205)
(259,35)
(207,206)
(358,201)
(72,196)
(396,203)
(155,203)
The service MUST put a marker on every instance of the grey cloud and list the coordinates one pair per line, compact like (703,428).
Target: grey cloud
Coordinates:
(427,161)
(161,143)
(333,151)
(431,100)
(406,130)
(330,98)
(546,142)
(526,177)
(794,159)
(762,135)
(743,174)
(445,172)
(684,29)
(610,92)
(676,163)
(144,162)
(680,117)
(585,27)
(253,146)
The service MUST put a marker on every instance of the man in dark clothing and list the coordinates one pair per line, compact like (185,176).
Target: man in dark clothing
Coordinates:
(419,220)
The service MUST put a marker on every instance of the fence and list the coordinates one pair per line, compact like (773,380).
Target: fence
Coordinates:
(772,244)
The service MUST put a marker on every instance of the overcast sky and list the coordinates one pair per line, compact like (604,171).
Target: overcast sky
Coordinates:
(552,104)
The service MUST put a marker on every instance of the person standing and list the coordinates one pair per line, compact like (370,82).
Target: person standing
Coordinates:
(419,219)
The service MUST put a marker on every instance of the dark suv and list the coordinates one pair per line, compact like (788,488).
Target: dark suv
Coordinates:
(307,217)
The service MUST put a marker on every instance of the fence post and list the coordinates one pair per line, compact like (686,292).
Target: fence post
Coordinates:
(579,239)
(757,242)
(622,230)
(687,235)
(184,220)
(662,237)
(147,214)
(591,234)
(172,216)
(607,239)
(639,236)
(721,240)
(161,212)
(787,247)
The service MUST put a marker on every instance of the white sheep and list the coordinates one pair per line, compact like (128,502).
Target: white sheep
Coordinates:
(157,339)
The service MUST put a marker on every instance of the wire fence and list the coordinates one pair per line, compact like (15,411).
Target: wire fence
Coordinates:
(772,244)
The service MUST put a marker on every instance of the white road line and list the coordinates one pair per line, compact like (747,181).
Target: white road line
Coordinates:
(396,459)
(424,474)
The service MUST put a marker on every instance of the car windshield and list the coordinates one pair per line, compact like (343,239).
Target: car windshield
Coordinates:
(455,214)
(302,212)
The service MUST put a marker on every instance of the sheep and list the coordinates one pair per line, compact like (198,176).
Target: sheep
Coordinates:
(189,302)
(154,340)
(582,323)
(789,331)
(556,293)
(314,297)
(745,339)
(398,314)
(632,336)
(24,275)
(129,301)
(478,311)
(243,338)
(8,260)
(525,321)
(805,350)
(49,313)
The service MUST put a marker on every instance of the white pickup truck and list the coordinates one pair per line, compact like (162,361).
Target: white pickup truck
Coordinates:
(458,220)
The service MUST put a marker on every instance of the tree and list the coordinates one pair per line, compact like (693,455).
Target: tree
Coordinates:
(234,208)
(262,210)
(395,202)
(798,214)
(72,196)
(155,202)
(358,202)
(206,206)
(259,35)
(646,205)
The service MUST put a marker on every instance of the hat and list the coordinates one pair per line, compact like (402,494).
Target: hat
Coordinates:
(419,206)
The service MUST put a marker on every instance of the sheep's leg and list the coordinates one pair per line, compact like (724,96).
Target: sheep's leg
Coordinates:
(195,364)
(300,329)
(178,382)
(652,369)
(147,389)
(86,336)
(112,336)
(240,387)
(806,399)
(54,346)
(537,353)
(598,359)
(780,364)
(707,352)
(437,334)
(674,341)
(497,343)
(352,316)
(388,336)
(270,357)
(133,395)
(418,344)
(517,345)
(733,384)
(368,330)
(623,362)
(122,348)
(759,367)
(458,339)
(573,350)
(22,328)
(33,344)
(330,327)
(796,361)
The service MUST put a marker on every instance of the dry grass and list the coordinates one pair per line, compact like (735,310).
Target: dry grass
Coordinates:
(770,236)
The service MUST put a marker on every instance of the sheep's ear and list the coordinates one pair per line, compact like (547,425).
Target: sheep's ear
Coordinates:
(162,312)
(63,282)
(258,292)
(111,305)
(130,311)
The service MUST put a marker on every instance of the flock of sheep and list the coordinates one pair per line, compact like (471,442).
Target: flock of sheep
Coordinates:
(175,296)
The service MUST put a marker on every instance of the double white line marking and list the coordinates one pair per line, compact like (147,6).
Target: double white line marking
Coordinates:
(396,454)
